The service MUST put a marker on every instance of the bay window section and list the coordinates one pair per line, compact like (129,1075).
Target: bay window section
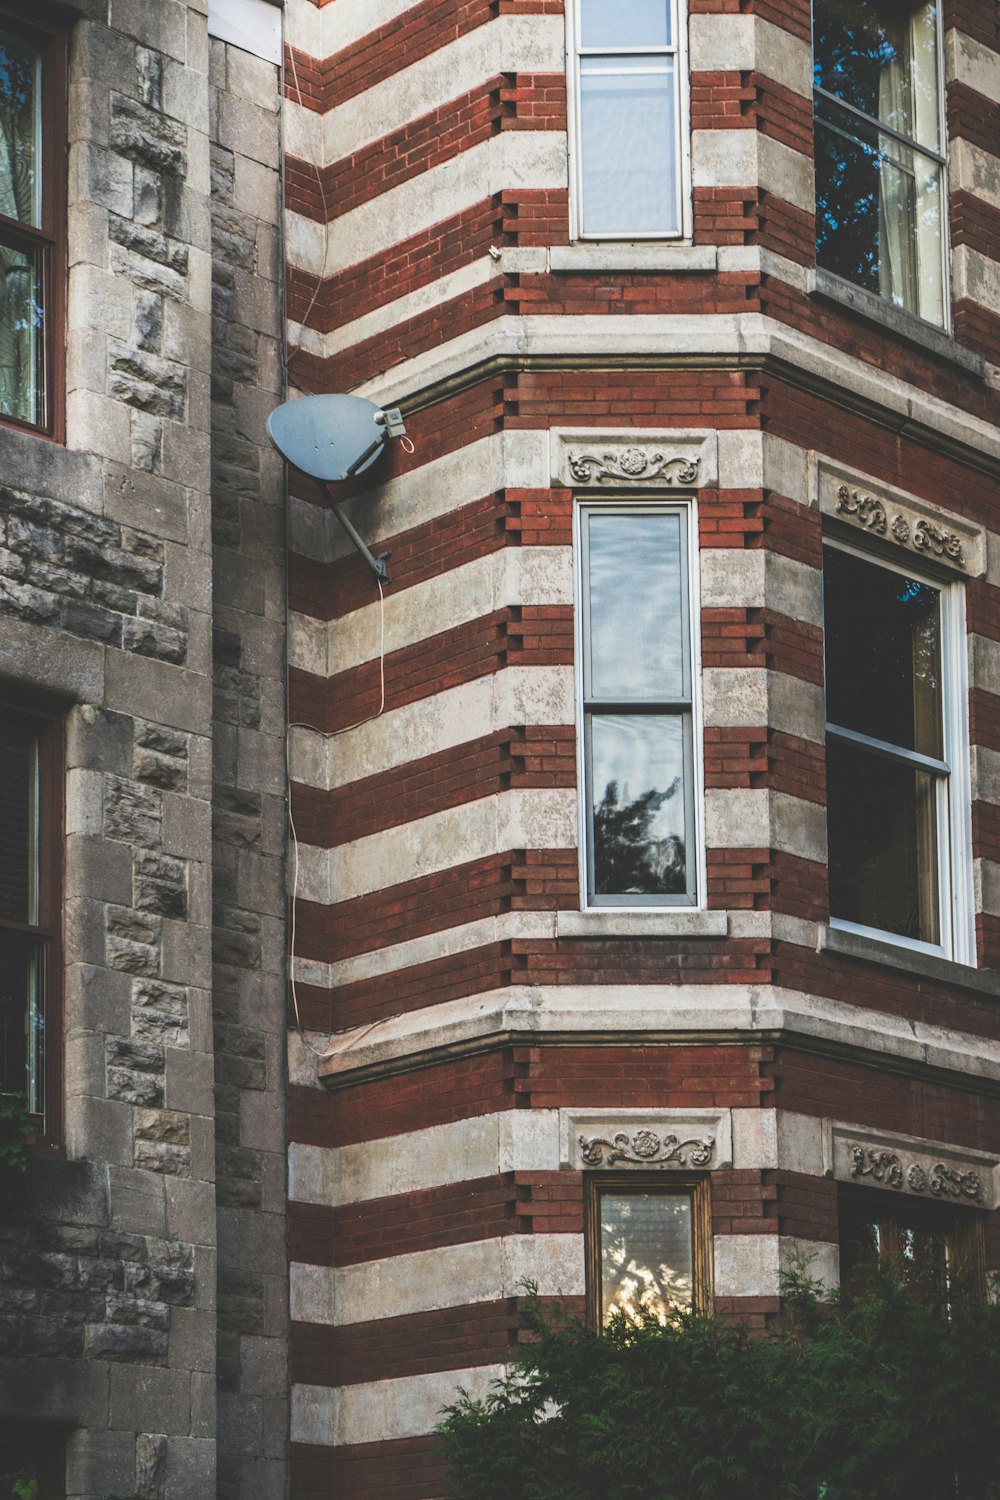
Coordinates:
(880,194)
(893,746)
(637,708)
(628,95)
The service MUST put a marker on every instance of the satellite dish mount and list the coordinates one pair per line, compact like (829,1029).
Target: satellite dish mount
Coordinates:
(334,439)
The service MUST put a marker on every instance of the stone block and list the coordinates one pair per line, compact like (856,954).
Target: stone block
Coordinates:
(143,1400)
(189,1081)
(191,1216)
(190,1468)
(187,827)
(96,999)
(100,1462)
(192,1344)
(97,740)
(99,1128)
(138,1203)
(98,868)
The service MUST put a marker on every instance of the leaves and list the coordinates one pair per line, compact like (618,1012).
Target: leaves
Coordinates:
(879,1397)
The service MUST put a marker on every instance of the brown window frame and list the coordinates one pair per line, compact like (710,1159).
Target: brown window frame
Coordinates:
(47,721)
(50,237)
(674,1184)
(863,1205)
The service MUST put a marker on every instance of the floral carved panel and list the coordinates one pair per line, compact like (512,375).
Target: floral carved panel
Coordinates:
(903,523)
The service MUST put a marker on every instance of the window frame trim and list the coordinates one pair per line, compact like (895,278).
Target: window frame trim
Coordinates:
(50,38)
(938,154)
(953,795)
(666,1184)
(694,816)
(50,718)
(680,52)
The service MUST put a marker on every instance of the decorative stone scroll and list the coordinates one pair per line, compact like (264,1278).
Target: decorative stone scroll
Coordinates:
(639,1139)
(646,1148)
(633,466)
(902,523)
(913,1168)
(633,459)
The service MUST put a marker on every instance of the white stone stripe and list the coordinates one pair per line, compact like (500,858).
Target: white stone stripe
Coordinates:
(519,459)
(618,1009)
(532,159)
(741,158)
(509,44)
(423,950)
(426,298)
(516,695)
(427,1280)
(523,818)
(750,1265)
(512,1140)
(971,63)
(746,43)
(976,276)
(974,171)
(344,24)
(447,600)
(381,1411)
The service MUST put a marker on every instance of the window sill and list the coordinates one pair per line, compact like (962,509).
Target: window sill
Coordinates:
(653,922)
(907,325)
(893,956)
(632,256)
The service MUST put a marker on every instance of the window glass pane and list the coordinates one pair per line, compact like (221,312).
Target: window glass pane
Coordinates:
(22,1023)
(22,390)
(637,627)
(647,1259)
(883,654)
(883,843)
(881,58)
(628,147)
(20,103)
(625,23)
(18,822)
(639,813)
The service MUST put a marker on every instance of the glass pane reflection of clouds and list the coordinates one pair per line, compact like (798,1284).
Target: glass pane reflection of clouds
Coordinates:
(627,146)
(636,633)
(624,23)
(647,1257)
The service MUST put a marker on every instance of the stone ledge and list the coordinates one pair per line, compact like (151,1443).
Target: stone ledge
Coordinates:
(632,256)
(894,956)
(654,922)
(825,284)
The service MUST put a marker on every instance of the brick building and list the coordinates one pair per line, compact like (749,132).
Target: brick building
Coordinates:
(645,858)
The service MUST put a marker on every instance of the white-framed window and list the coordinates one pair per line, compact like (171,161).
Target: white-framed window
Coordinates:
(628,69)
(638,720)
(898,810)
(881,196)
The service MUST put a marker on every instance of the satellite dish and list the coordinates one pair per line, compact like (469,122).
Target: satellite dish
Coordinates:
(333,438)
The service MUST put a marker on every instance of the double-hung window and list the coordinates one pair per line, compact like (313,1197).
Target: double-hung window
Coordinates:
(32,101)
(30,829)
(629,61)
(636,650)
(896,754)
(881,205)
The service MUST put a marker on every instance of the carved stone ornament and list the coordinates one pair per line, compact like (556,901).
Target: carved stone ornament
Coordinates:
(633,466)
(886,1168)
(646,1148)
(902,524)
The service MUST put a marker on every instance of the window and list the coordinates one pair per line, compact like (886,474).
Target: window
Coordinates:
(32,148)
(629,76)
(880,193)
(636,652)
(896,754)
(649,1246)
(937,1252)
(30,828)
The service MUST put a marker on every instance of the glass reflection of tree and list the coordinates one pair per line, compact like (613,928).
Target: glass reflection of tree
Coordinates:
(636,1282)
(629,858)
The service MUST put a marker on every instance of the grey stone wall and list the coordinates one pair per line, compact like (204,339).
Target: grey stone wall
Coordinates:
(248,522)
(109,597)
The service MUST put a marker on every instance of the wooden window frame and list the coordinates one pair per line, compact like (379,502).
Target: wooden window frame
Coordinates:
(48,720)
(858,1205)
(49,38)
(675,1184)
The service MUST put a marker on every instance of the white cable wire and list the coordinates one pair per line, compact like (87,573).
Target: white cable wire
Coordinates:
(298,724)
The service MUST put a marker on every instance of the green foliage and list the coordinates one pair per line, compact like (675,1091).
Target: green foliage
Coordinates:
(19,1486)
(877,1398)
(16,1131)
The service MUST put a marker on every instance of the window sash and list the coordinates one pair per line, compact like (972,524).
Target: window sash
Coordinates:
(642,1185)
(949,774)
(635,707)
(656,194)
